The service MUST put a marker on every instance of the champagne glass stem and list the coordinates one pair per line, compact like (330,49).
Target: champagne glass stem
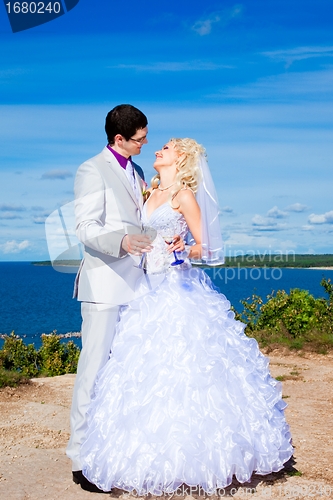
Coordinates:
(177,261)
(140,266)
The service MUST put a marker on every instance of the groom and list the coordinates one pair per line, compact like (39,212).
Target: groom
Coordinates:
(108,204)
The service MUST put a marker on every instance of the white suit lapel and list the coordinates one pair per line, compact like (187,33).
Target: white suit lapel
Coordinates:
(120,172)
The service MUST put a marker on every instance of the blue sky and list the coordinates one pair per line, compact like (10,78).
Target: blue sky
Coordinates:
(252,81)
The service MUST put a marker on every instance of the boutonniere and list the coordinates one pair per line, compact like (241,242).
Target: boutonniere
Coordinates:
(145,192)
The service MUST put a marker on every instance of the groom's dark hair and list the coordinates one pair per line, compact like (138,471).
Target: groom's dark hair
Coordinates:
(125,120)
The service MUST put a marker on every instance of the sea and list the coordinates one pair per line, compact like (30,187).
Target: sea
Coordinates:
(38,299)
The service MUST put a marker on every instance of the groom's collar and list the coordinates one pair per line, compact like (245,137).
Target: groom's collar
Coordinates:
(122,160)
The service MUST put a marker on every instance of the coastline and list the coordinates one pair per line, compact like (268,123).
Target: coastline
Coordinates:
(327,268)
(266,260)
(68,335)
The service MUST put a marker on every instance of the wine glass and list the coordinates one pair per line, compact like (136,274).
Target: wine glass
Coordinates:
(151,233)
(168,235)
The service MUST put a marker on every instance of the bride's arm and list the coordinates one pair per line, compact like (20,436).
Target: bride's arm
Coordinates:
(190,209)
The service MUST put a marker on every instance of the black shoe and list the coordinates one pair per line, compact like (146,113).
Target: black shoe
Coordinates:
(79,478)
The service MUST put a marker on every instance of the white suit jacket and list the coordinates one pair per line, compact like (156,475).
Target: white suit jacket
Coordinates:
(105,210)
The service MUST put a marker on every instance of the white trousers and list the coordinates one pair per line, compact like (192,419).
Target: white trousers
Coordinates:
(98,329)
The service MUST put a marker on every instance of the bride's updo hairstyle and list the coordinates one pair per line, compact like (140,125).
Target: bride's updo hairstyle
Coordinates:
(188,170)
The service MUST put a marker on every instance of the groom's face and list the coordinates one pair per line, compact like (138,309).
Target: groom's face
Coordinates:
(134,144)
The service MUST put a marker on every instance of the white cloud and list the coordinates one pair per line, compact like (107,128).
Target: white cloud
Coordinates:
(299,53)
(14,247)
(227,210)
(39,219)
(248,243)
(8,207)
(310,85)
(268,227)
(204,26)
(266,223)
(275,213)
(9,216)
(57,174)
(173,66)
(326,218)
(259,220)
(297,207)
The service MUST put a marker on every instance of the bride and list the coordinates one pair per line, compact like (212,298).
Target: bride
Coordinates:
(186,397)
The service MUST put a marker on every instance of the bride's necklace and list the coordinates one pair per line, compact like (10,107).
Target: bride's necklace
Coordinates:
(164,189)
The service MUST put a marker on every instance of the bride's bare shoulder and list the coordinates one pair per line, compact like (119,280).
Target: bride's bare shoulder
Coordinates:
(186,195)
(185,199)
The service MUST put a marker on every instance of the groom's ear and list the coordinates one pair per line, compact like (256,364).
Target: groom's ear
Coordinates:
(118,139)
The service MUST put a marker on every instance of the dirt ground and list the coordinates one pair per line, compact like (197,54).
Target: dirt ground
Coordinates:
(35,429)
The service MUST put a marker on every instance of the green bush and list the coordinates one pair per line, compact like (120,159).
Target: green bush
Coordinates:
(53,358)
(19,357)
(296,319)
(57,358)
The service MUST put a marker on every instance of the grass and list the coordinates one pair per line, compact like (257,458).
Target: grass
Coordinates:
(294,473)
(318,341)
(10,378)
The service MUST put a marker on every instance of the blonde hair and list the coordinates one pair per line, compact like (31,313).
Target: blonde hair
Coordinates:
(188,170)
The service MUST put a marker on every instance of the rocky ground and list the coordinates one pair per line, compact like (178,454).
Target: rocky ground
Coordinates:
(35,429)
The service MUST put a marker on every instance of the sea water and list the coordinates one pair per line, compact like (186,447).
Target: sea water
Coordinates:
(37,299)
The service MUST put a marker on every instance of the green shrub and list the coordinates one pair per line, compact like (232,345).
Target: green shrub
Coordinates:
(19,357)
(57,358)
(296,319)
(19,361)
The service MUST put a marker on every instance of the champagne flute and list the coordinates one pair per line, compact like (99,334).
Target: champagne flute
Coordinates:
(168,238)
(151,233)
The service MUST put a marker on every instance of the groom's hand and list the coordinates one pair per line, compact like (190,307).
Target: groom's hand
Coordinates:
(136,244)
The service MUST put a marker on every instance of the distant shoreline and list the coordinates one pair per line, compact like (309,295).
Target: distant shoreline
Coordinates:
(68,335)
(65,263)
(328,268)
(322,262)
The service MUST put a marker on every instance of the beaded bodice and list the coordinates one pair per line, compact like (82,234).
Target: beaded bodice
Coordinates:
(168,223)
(165,220)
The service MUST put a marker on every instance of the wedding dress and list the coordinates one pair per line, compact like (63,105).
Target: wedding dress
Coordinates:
(185,397)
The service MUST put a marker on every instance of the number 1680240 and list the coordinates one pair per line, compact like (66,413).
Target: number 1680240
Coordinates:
(33,7)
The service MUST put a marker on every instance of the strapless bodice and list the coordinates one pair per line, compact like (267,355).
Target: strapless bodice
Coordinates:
(168,223)
(165,220)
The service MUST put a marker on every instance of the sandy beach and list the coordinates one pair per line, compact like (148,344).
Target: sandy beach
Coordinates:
(35,430)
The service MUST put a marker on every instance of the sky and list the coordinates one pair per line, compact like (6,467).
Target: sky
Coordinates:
(251,81)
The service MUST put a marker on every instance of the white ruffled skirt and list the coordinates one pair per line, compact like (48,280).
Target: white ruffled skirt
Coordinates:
(186,397)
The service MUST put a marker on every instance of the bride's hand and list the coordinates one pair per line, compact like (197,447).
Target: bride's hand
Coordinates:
(177,244)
